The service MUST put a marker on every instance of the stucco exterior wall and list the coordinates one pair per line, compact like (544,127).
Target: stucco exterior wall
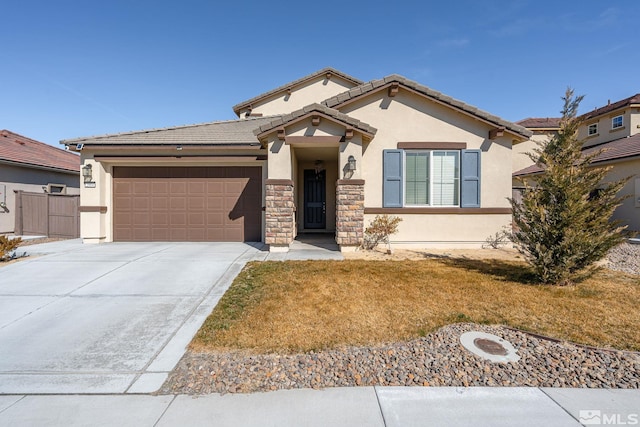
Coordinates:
(605,133)
(313,91)
(15,178)
(445,231)
(410,118)
(629,212)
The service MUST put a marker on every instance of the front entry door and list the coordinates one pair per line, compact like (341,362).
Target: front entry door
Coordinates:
(315,202)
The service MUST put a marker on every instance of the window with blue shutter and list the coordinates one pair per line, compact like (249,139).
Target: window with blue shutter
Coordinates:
(392,178)
(470,179)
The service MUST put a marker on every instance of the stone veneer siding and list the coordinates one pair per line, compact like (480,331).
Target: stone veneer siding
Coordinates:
(349,212)
(279,212)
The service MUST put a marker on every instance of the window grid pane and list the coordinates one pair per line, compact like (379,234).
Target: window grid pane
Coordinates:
(417,179)
(446,177)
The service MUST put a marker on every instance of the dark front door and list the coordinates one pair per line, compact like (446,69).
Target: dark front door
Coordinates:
(315,202)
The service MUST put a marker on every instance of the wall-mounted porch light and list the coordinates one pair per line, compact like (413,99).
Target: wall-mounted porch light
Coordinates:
(351,166)
(87,174)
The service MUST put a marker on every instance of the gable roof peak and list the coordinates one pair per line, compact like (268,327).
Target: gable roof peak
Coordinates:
(375,85)
(323,71)
(315,108)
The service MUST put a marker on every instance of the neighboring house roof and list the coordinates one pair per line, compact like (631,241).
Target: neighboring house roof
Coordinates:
(540,123)
(309,110)
(380,84)
(617,149)
(20,150)
(244,104)
(231,132)
(635,99)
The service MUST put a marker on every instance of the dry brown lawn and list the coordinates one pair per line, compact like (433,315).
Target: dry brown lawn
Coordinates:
(298,306)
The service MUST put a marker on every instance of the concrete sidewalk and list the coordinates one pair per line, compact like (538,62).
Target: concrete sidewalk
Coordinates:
(362,406)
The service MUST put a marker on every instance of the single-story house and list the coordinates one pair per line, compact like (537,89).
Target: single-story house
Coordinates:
(614,129)
(324,153)
(33,166)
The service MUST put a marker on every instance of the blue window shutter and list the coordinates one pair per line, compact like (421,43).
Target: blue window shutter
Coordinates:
(470,179)
(392,179)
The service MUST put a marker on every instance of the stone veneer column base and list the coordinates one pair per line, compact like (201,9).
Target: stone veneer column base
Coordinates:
(279,214)
(349,214)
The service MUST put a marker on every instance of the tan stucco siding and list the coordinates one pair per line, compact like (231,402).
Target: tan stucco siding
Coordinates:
(605,133)
(301,96)
(634,121)
(410,118)
(629,212)
(445,231)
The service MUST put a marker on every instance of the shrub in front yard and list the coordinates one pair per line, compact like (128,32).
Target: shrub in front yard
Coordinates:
(563,223)
(379,231)
(7,246)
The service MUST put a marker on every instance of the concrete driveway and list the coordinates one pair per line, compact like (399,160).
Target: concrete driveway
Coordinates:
(110,318)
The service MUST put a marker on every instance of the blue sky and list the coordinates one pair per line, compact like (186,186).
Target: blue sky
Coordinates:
(78,68)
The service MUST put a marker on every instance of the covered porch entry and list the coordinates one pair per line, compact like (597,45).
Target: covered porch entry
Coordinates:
(314,183)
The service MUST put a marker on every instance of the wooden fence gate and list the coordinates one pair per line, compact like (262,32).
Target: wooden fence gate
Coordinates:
(51,215)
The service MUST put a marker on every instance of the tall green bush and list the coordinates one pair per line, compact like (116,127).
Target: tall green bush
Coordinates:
(563,222)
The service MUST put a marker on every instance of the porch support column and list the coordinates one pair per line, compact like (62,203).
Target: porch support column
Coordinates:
(349,213)
(279,214)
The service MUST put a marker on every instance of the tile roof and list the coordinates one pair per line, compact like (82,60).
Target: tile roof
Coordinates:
(375,85)
(18,149)
(238,107)
(540,122)
(635,99)
(622,148)
(214,133)
(288,118)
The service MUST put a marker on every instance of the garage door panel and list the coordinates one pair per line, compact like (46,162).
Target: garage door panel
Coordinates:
(187,203)
(178,188)
(177,219)
(159,203)
(178,203)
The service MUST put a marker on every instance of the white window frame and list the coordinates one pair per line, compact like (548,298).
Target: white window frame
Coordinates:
(613,122)
(404,178)
(595,129)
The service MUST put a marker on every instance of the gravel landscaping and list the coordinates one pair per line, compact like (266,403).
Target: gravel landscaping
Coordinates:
(435,360)
(625,258)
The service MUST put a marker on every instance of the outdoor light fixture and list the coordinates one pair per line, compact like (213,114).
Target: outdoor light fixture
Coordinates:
(87,174)
(351,166)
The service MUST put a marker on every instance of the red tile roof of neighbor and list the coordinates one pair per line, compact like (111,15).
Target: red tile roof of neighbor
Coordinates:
(613,150)
(540,123)
(19,149)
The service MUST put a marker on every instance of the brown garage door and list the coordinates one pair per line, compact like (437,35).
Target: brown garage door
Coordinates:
(190,204)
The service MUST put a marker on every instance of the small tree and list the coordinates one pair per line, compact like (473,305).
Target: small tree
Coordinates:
(563,223)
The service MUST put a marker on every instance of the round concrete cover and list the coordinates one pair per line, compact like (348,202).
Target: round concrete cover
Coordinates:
(489,346)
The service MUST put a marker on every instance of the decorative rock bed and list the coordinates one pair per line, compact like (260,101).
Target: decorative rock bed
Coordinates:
(435,360)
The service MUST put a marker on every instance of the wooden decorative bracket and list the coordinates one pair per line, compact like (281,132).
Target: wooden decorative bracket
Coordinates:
(315,120)
(328,76)
(348,134)
(288,91)
(393,89)
(281,134)
(495,133)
